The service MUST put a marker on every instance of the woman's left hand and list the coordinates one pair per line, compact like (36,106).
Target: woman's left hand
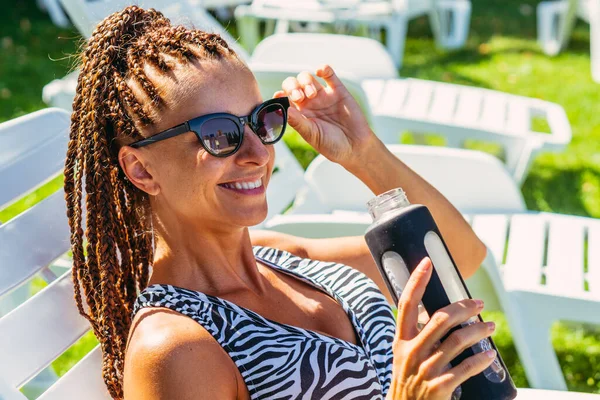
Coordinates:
(327,117)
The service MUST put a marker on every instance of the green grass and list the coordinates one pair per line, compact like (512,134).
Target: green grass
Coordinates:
(501,54)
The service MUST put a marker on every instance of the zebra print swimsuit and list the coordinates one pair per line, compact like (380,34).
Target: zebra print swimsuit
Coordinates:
(279,361)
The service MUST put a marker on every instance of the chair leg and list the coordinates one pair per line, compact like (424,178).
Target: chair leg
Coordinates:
(530,328)
(450,20)
(554,22)
(396,38)
(282,26)
(248,27)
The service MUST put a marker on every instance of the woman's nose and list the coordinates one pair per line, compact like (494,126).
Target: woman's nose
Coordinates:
(253,150)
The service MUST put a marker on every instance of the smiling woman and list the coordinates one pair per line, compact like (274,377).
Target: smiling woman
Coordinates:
(172,140)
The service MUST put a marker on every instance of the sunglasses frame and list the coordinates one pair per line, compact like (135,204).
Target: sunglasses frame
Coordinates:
(250,120)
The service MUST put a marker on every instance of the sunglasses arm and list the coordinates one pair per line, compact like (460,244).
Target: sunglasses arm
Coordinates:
(169,133)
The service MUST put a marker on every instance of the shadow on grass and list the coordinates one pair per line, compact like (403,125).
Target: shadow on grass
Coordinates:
(567,190)
(576,348)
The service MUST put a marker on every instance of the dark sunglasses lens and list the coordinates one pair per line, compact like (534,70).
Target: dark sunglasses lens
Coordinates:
(220,135)
(270,123)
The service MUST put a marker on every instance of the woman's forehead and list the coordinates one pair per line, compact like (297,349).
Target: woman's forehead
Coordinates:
(210,84)
(206,87)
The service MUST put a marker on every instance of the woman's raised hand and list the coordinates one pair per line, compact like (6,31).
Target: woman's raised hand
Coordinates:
(327,117)
(420,362)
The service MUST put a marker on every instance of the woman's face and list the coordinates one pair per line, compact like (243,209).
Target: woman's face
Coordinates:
(185,181)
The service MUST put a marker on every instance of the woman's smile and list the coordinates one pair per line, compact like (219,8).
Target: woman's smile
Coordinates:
(251,186)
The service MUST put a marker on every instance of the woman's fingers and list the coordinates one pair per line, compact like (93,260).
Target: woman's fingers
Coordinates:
(412,294)
(278,94)
(309,84)
(456,343)
(293,90)
(445,319)
(302,87)
(328,74)
(463,371)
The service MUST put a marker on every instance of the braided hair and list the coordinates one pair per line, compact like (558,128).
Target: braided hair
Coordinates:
(111,262)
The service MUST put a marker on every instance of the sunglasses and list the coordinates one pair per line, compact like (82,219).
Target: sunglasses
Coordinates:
(221,134)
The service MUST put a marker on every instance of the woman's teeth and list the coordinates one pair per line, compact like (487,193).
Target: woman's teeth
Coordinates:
(244,185)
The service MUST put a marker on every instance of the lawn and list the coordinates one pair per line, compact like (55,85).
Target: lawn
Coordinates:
(501,54)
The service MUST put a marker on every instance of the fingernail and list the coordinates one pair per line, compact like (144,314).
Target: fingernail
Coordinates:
(491,353)
(426,266)
(310,90)
(479,303)
(490,325)
(296,95)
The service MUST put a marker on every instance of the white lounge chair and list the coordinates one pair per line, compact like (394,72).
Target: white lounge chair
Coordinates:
(552,267)
(392,104)
(42,328)
(449,19)
(555,23)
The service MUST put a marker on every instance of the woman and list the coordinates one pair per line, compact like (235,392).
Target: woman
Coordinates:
(174,175)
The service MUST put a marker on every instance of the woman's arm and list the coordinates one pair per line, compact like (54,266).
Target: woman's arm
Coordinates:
(381,171)
(329,118)
(350,250)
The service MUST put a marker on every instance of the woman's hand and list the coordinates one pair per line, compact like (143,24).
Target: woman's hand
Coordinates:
(420,362)
(327,117)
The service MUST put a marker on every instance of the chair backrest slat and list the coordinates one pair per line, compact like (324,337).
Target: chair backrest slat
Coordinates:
(83,381)
(32,150)
(32,240)
(38,331)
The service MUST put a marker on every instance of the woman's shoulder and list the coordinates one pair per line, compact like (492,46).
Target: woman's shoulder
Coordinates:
(166,353)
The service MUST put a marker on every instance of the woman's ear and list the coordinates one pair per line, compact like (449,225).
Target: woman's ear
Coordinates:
(135,166)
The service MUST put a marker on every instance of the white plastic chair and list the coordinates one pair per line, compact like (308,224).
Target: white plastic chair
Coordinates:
(449,18)
(537,285)
(392,104)
(35,331)
(555,23)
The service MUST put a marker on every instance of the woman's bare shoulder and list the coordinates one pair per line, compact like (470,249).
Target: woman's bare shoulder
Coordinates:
(171,356)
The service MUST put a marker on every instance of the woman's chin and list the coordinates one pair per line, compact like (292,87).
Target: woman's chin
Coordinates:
(252,218)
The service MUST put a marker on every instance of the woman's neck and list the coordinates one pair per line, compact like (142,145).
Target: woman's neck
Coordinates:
(216,261)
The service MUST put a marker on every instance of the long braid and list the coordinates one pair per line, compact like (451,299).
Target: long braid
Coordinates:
(112,260)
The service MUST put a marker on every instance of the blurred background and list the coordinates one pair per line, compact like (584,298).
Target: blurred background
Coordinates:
(501,53)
